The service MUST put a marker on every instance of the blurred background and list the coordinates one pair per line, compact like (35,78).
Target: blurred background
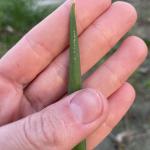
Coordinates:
(133,132)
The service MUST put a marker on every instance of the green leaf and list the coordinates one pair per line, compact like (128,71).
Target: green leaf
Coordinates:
(75,80)
(81,146)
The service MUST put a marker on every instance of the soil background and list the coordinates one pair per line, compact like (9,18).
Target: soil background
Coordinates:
(133,132)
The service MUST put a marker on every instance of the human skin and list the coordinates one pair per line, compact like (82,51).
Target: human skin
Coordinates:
(33,79)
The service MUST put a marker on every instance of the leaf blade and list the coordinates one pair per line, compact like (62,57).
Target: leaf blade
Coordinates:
(75,79)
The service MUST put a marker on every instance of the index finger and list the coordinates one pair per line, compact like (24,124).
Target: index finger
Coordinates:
(46,40)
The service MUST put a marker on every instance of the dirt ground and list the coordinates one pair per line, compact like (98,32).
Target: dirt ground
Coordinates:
(133,133)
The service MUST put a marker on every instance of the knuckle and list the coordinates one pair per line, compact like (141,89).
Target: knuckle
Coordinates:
(110,123)
(29,133)
(9,90)
(34,99)
(49,130)
(53,127)
(37,134)
(9,84)
(115,78)
(103,34)
(36,47)
(60,68)
(44,130)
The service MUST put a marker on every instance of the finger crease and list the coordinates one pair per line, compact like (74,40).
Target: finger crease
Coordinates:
(26,128)
(114,77)
(38,48)
(102,35)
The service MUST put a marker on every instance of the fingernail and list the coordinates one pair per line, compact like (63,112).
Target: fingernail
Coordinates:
(86,106)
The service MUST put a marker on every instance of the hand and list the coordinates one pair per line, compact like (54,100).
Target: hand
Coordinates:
(33,79)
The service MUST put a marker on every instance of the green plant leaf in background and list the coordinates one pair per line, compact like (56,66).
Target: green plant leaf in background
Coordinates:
(17,17)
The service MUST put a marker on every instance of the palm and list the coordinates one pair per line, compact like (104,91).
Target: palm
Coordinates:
(34,72)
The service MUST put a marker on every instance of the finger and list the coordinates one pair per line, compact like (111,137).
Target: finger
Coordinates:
(94,44)
(119,67)
(119,103)
(9,101)
(45,41)
(59,126)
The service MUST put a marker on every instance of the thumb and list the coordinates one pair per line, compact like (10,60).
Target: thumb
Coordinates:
(59,126)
